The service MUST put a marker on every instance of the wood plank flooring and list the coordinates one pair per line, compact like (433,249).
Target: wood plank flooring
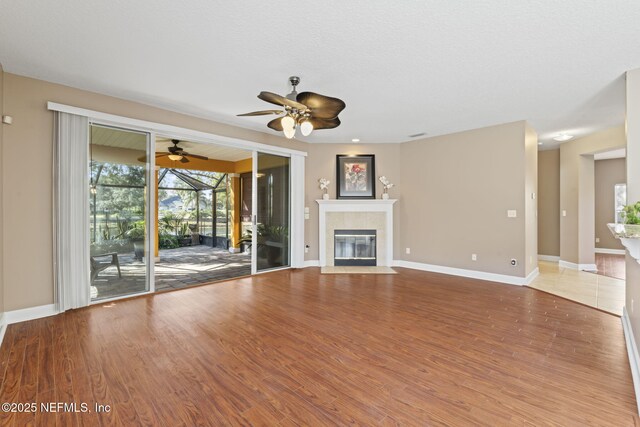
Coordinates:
(611,265)
(301,348)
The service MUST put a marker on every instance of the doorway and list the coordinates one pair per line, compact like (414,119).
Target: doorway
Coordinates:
(201,222)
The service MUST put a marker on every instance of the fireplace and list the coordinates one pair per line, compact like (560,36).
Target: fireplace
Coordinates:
(355,248)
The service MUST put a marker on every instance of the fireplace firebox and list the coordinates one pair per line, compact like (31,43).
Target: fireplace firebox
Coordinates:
(354,248)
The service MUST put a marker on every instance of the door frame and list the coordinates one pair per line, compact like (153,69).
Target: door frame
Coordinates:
(152,128)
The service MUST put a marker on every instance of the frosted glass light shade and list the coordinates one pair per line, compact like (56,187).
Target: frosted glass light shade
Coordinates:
(289,132)
(175,157)
(306,128)
(287,123)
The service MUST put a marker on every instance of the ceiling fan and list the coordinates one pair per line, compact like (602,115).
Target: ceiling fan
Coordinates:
(178,154)
(307,110)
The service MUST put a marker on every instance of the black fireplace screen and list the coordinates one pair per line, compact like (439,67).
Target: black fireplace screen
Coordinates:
(355,247)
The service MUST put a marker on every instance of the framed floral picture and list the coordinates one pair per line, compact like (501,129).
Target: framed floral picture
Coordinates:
(356,176)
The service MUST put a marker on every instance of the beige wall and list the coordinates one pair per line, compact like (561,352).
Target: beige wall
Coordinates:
(28,265)
(321,163)
(456,190)
(577,188)
(2,272)
(633,194)
(608,173)
(549,202)
(453,190)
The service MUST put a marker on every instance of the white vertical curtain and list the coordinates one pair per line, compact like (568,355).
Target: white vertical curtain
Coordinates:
(71,211)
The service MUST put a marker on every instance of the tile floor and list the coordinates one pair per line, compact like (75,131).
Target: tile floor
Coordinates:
(602,292)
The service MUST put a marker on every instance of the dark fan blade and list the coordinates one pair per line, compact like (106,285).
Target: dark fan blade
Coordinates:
(195,156)
(274,98)
(144,158)
(324,123)
(184,160)
(276,124)
(261,113)
(322,107)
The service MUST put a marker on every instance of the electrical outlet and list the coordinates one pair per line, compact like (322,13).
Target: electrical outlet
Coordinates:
(514,262)
(407,251)
(597,240)
(564,213)
(474,257)
(512,213)
(530,260)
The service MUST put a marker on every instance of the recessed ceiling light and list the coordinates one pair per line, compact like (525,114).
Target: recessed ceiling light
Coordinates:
(562,137)
(355,140)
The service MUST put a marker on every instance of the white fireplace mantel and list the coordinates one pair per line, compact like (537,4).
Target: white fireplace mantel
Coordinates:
(357,206)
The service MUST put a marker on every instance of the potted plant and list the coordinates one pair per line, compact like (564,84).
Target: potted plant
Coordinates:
(631,214)
(136,235)
(271,242)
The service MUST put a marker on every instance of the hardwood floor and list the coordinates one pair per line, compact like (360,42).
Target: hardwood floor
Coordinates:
(300,348)
(611,265)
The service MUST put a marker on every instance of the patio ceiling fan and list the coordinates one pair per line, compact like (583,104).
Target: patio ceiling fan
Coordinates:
(307,110)
(178,154)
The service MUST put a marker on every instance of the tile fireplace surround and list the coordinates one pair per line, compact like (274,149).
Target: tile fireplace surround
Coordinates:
(374,214)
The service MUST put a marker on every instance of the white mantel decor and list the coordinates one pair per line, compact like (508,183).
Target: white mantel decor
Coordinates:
(356,214)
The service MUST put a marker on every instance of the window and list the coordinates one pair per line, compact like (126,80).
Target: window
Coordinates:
(620,195)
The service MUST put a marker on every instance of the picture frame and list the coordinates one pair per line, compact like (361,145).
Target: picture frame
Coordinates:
(355,176)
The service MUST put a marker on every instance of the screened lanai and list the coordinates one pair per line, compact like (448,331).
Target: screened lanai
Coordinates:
(197,221)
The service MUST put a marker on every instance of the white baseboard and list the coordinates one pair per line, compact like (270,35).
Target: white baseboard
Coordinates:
(3,327)
(312,263)
(581,267)
(551,258)
(30,313)
(473,274)
(610,251)
(632,352)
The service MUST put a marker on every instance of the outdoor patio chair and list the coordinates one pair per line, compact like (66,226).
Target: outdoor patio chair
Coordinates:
(98,266)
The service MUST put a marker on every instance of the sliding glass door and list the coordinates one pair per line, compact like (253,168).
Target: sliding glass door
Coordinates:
(118,200)
(272,212)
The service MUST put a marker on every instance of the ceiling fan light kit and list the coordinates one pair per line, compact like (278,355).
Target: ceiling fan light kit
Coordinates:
(307,111)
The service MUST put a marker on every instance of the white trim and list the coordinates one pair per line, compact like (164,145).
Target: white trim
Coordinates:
(550,258)
(473,274)
(296,215)
(171,131)
(574,266)
(350,205)
(632,352)
(150,227)
(254,212)
(3,327)
(312,263)
(119,297)
(610,251)
(567,264)
(30,313)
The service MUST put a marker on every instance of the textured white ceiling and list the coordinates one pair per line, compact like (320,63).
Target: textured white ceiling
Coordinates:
(401,67)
